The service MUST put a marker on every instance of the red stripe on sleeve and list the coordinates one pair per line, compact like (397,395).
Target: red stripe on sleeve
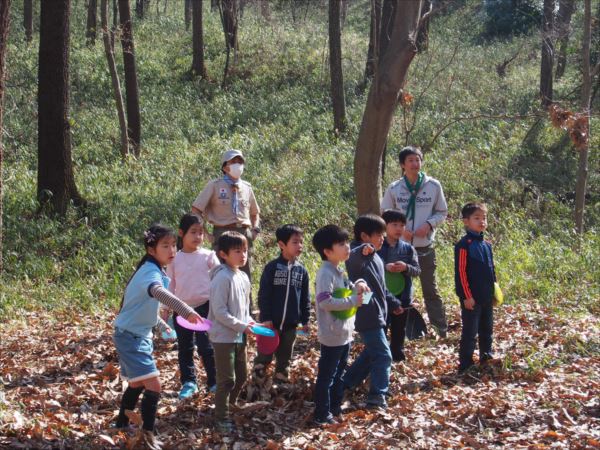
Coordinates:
(462,270)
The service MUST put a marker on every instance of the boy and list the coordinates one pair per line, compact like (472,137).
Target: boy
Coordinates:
(474,277)
(371,319)
(283,299)
(229,312)
(335,335)
(399,257)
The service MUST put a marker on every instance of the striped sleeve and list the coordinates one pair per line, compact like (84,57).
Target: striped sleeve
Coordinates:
(462,272)
(168,299)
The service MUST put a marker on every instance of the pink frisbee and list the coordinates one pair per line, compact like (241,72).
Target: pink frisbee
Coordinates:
(267,344)
(202,326)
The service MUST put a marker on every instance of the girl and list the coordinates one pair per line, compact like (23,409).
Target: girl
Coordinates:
(133,329)
(190,282)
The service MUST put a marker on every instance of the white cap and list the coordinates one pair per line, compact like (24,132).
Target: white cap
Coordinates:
(228,155)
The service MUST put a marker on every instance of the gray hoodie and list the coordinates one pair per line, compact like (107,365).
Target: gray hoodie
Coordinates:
(229,306)
(430,206)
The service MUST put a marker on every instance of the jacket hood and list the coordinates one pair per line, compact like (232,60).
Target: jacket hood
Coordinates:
(215,270)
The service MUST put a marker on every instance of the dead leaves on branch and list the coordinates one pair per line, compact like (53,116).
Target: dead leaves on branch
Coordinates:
(576,124)
(61,388)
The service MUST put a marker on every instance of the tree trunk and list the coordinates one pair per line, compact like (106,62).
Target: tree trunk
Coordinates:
(563,29)
(229,19)
(344,12)
(92,19)
(139,8)
(388,15)
(586,90)
(115,21)
(131,85)
(423,37)
(28,19)
(547,54)
(187,13)
(335,67)
(373,51)
(56,182)
(381,103)
(108,39)
(4,26)
(198,66)
(265,10)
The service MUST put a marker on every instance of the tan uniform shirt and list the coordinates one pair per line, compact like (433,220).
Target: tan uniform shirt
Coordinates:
(215,203)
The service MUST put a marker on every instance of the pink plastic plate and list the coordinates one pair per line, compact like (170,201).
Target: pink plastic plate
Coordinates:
(202,326)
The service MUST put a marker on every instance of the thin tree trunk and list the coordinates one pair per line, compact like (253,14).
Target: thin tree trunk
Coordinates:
(265,10)
(335,67)
(28,19)
(373,51)
(229,19)
(108,39)
(423,36)
(131,85)
(563,28)
(546,89)
(4,26)
(582,171)
(92,22)
(139,8)
(198,66)
(115,21)
(187,13)
(56,182)
(381,104)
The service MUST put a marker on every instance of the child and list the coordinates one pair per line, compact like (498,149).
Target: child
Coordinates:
(371,320)
(335,335)
(474,278)
(230,314)
(133,329)
(283,299)
(190,282)
(399,257)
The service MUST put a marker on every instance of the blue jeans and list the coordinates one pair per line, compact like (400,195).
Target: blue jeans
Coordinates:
(185,346)
(478,321)
(375,360)
(329,389)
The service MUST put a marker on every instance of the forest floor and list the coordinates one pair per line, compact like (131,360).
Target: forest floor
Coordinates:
(61,389)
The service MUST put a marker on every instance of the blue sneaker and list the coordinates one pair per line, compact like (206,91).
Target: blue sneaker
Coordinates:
(189,388)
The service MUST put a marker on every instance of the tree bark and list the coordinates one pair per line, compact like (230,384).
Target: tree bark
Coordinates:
(265,10)
(28,19)
(198,65)
(335,67)
(423,36)
(56,182)
(134,129)
(4,26)
(586,91)
(547,54)
(229,19)
(92,22)
(381,103)
(373,50)
(108,39)
(187,13)
(563,29)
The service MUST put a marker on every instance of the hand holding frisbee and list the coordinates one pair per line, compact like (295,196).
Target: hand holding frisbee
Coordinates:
(202,325)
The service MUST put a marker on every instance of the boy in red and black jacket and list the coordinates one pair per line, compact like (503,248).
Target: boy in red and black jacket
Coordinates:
(474,276)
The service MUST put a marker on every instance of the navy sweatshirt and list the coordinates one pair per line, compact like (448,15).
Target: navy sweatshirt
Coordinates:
(280,280)
(474,272)
(406,253)
(371,269)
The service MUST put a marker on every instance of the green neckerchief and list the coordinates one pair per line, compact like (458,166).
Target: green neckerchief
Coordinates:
(413,189)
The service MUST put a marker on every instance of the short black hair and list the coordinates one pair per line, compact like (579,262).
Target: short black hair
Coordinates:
(470,208)
(393,215)
(369,224)
(285,232)
(327,236)
(231,240)
(409,150)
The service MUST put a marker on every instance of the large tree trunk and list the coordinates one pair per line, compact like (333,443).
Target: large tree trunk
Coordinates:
(108,39)
(28,19)
(382,101)
(547,54)
(187,13)
(4,25)
(92,22)
(134,128)
(229,19)
(56,182)
(586,90)
(335,67)
(198,66)
(563,29)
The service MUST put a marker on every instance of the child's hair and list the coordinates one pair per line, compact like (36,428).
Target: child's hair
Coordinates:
(285,232)
(409,150)
(470,208)
(326,237)
(186,222)
(369,224)
(393,215)
(231,240)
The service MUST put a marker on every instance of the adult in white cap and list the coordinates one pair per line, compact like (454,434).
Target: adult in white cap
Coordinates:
(229,204)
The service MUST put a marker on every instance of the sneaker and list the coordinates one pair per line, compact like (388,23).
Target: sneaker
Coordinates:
(376,401)
(225,426)
(189,388)
(327,421)
(212,389)
(147,441)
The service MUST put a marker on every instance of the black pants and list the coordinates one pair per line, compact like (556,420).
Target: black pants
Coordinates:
(478,321)
(186,341)
(397,325)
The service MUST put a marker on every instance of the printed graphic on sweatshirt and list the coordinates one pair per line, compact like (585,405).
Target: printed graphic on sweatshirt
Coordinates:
(280,277)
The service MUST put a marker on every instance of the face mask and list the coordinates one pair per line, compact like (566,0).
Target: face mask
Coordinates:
(236,170)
